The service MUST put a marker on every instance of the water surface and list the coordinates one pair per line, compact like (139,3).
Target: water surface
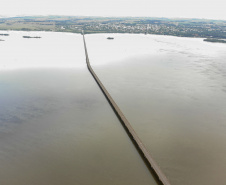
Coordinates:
(55,125)
(173,92)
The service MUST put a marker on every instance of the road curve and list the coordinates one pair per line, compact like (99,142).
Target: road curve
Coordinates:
(127,125)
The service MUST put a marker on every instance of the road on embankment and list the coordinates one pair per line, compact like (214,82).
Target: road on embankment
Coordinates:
(131,132)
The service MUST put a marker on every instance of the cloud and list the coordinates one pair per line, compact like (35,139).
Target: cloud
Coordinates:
(152,8)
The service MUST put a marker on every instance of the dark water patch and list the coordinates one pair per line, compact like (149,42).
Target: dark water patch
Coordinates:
(68,133)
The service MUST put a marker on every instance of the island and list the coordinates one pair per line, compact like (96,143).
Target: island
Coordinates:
(4,34)
(29,37)
(215,40)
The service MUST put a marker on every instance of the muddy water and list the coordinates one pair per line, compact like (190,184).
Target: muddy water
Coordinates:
(55,125)
(173,91)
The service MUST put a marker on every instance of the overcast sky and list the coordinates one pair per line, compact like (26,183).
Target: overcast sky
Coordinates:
(211,9)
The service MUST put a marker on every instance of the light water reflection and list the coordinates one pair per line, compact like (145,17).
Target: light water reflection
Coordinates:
(55,125)
(173,91)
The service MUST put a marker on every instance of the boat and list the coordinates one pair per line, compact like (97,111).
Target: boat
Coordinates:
(110,38)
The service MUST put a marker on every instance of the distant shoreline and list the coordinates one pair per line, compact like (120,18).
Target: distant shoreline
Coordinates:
(193,28)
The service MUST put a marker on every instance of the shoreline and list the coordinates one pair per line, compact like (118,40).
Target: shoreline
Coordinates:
(89,33)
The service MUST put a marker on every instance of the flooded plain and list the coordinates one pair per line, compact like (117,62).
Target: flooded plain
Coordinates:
(173,92)
(56,127)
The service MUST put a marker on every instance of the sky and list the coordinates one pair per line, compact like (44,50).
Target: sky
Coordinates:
(209,9)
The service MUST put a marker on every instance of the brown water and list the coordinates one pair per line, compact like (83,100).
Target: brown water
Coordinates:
(173,92)
(57,128)
(55,125)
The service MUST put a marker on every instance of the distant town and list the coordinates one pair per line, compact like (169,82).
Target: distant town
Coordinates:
(203,28)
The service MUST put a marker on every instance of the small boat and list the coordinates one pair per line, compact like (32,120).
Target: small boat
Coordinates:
(110,38)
